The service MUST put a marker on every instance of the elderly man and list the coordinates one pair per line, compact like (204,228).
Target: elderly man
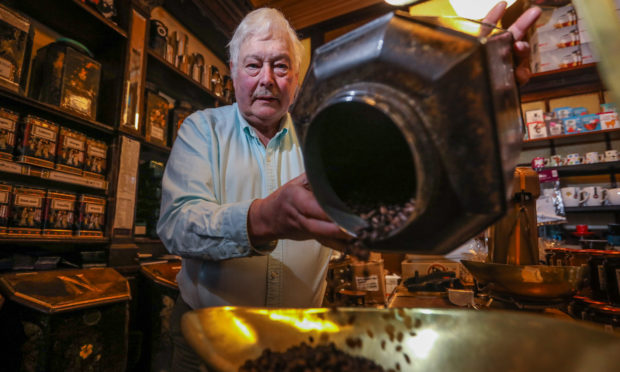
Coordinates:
(235,201)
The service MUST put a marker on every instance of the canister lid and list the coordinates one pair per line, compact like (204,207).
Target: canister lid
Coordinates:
(64,290)
(164,273)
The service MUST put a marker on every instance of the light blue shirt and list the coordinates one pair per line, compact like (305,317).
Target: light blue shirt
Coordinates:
(216,168)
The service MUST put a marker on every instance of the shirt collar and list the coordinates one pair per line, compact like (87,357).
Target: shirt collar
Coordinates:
(285,124)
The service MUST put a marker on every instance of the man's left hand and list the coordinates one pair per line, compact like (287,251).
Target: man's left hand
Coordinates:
(519,30)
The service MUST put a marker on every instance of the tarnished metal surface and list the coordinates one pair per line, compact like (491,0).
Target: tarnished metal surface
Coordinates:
(405,339)
(528,281)
(63,290)
(164,273)
(418,107)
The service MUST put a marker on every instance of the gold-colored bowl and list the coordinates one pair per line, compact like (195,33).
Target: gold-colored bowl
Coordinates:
(528,281)
(405,339)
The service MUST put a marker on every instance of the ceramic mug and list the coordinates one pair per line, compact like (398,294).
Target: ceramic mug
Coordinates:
(570,196)
(539,162)
(556,161)
(573,159)
(593,157)
(593,196)
(613,195)
(611,155)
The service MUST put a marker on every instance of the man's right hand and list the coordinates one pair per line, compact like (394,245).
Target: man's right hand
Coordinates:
(292,212)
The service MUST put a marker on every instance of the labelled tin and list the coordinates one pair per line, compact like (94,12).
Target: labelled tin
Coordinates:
(70,154)
(8,126)
(91,216)
(37,142)
(26,211)
(59,215)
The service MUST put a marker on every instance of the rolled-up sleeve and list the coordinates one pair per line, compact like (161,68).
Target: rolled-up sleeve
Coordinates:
(192,221)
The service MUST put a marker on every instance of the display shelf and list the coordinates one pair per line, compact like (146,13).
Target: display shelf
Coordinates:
(178,85)
(587,169)
(602,208)
(73,19)
(559,83)
(6,239)
(53,175)
(571,139)
(23,104)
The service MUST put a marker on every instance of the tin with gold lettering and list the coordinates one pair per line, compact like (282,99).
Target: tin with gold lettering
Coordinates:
(59,213)
(26,211)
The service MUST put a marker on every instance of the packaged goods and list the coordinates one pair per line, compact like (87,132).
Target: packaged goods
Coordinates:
(156,117)
(5,199)
(59,213)
(609,120)
(545,41)
(36,143)
(8,126)
(158,37)
(26,211)
(96,158)
(70,154)
(556,59)
(64,76)
(90,216)
(590,122)
(537,129)
(16,36)
(179,113)
(553,18)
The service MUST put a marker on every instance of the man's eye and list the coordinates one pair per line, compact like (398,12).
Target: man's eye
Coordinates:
(281,68)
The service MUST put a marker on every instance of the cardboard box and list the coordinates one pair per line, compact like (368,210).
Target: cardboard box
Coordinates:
(552,18)
(556,59)
(545,41)
(369,277)
(609,120)
(537,129)
(532,116)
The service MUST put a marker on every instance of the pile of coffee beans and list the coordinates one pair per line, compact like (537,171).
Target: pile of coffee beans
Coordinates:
(381,220)
(305,358)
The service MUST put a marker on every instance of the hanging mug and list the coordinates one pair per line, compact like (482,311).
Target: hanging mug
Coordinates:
(570,196)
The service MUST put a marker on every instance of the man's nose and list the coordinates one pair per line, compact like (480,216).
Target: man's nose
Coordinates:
(267,75)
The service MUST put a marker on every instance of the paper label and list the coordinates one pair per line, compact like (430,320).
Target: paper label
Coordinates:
(27,201)
(79,103)
(64,205)
(157,132)
(73,143)
(44,133)
(6,69)
(7,124)
(95,208)
(96,151)
(4,197)
(367,283)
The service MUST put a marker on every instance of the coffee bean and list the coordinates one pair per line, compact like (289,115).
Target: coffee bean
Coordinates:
(307,358)
(381,220)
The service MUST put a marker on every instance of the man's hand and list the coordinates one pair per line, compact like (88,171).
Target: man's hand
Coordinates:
(292,212)
(519,30)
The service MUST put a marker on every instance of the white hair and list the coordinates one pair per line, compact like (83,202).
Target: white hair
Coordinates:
(267,22)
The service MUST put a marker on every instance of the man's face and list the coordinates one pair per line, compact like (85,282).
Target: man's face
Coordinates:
(265,80)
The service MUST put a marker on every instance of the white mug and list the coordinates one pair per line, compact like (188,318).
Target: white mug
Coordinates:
(556,160)
(570,196)
(593,196)
(593,157)
(611,155)
(613,195)
(573,159)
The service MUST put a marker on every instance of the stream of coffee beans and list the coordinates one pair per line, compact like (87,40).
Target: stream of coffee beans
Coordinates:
(305,358)
(381,220)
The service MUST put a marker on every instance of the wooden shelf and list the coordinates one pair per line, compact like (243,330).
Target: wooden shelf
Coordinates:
(602,208)
(587,169)
(4,239)
(570,139)
(24,170)
(560,83)
(178,85)
(27,105)
(73,19)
